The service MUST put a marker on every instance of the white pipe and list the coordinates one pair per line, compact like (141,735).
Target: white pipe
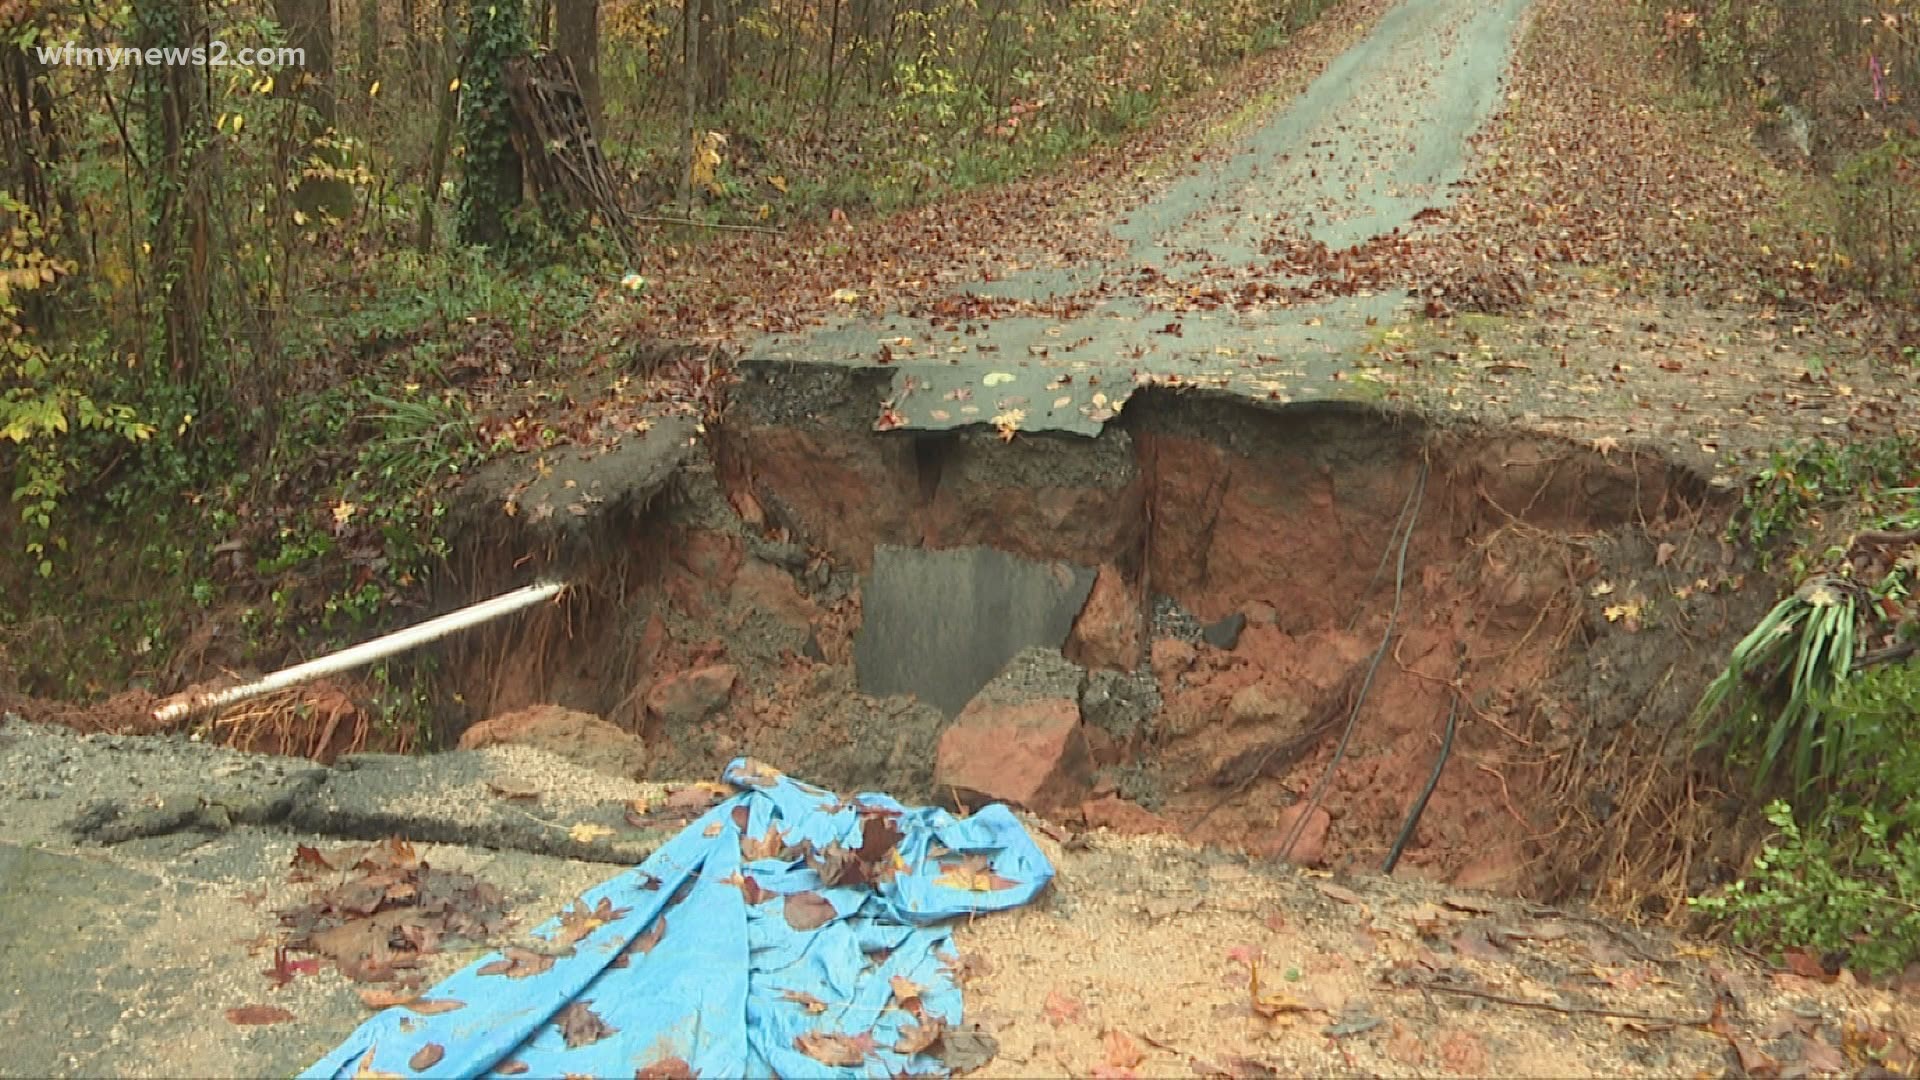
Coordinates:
(364,653)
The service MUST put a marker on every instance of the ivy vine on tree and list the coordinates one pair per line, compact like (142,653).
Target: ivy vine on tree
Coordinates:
(491,177)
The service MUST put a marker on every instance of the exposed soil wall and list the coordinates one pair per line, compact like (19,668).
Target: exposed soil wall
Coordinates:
(1572,600)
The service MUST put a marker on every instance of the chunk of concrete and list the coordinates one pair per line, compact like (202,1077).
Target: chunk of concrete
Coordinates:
(939,625)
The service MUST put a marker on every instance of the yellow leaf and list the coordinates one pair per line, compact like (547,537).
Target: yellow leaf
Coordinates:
(995,378)
(1062,402)
(1271,1005)
(779,183)
(764,212)
(238,122)
(586,832)
(1009,422)
(374,90)
(343,512)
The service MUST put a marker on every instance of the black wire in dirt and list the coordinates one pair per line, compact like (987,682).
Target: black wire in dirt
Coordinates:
(1409,514)
(1433,781)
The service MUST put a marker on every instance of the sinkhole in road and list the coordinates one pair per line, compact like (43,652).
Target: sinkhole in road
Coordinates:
(1245,624)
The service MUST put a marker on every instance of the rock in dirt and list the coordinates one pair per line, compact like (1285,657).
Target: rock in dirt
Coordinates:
(689,697)
(1224,634)
(1311,847)
(1123,816)
(1261,704)
(770,590)
(582,738)
(1172,658)
(1030,754)
(1121,703)
(1106,636)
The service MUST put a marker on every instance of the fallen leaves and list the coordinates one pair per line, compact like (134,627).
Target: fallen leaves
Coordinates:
(580,1026)
(832,1048)
(808,910)
(251,1015)
(518,964)
(974,873)
(587,832)
(672,1068)
(578,920)
(426,1057)
(1122,1052)
(1008,423)
(1060,1009)
(921,1037)
(813,1005)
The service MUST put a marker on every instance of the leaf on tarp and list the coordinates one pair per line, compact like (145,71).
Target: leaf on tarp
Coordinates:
(518,964)
(833,1048)
(310,856)
(879,838)
(579,920)
(751,890)
(672,1068)
(258,1014)
(838,866)
(967,1049)
(432,1006)
(906,993)
(581,1026)
(813,1005)
(921,1037)
(771,846)
(644,941)
(809,910)
(386,999)
(741,815)
(974,873)
(426,1057)
(366,1071)
(511,1068)
(514,790)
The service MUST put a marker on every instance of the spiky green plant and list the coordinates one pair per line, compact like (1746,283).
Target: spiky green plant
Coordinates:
(1769,699)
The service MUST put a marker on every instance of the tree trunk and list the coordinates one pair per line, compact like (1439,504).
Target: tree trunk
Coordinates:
(492,177)
(690,17)
(577,37)
(174,105)
(449,97)
(309,27)
(369,42)
(30,140)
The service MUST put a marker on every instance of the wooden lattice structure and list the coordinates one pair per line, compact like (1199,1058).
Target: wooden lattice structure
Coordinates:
(554,133)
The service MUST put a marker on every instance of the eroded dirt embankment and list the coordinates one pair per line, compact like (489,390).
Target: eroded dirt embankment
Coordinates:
(1246,569)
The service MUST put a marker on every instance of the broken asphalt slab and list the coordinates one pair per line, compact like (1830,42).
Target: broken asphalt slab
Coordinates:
(140,877)
(1378,138)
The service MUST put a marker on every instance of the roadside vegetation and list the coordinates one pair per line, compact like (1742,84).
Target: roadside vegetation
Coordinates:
(1819,706)
(255,317)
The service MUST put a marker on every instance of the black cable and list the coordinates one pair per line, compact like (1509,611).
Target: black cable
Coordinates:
(1420,804)
(1411,513)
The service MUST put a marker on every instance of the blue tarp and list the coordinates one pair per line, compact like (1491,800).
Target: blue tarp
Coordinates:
(671,963)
